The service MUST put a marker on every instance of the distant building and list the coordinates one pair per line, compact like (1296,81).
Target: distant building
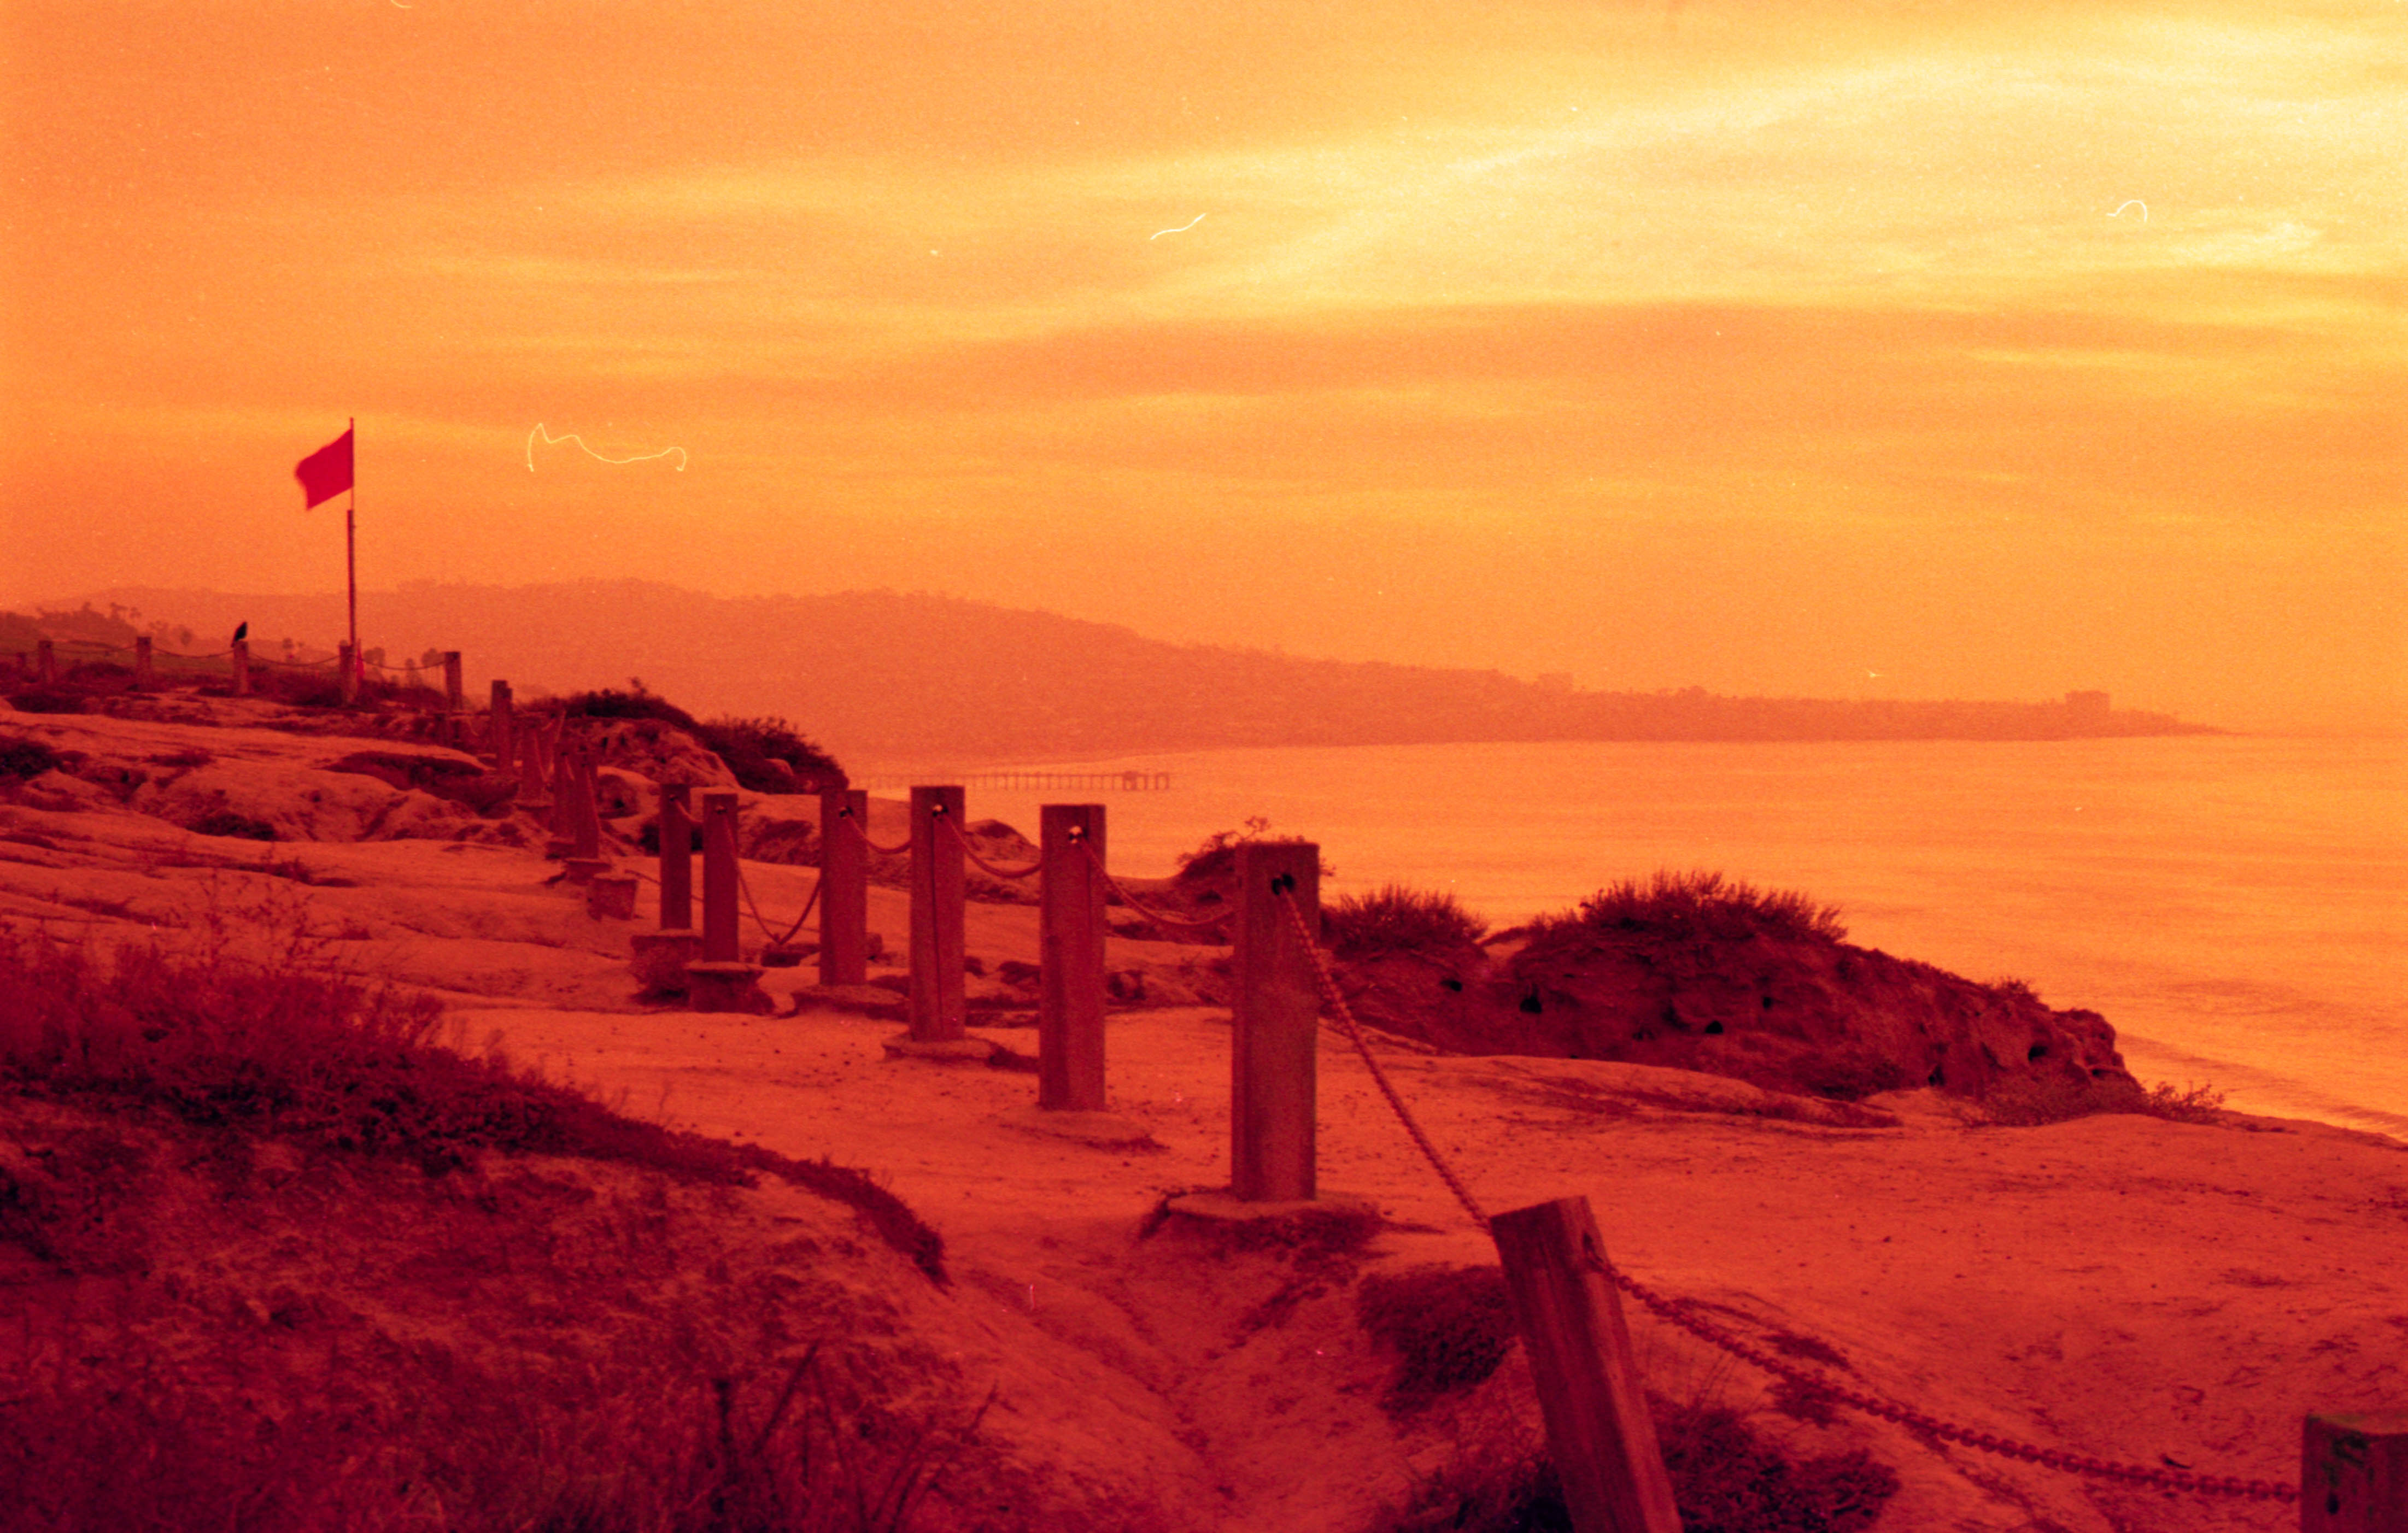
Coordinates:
(2091,705)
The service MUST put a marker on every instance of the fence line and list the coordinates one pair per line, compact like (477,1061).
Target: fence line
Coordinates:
(1681,1314)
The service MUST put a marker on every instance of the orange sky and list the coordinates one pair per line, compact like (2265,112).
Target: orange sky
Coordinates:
(1807,348)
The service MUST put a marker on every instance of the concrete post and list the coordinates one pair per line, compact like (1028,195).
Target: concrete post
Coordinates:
(46,662)
(677,858)
(845,886)
(1598,1432)
(242,658)
(451,694)
(346,668)
(144,667)
(1277,1009)
(938,895)
(2354,1473)
(498,735)
(719,879)
(1070,959)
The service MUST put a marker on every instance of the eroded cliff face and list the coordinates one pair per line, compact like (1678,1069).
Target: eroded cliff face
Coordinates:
(1792,1013)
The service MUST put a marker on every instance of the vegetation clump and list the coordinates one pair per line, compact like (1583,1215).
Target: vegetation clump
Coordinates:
(21,757)
(1397,917)
(1725,1479)
(766,754)
(2032,1103)
(1699,906)
(329,1063)
(1215,858)
(1453,1326)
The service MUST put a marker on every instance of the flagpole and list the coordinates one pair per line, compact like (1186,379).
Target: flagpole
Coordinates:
(350,556)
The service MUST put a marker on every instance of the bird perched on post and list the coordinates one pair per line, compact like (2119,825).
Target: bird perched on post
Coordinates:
(241,630)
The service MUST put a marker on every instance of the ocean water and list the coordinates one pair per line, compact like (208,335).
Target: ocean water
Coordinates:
(2236,906)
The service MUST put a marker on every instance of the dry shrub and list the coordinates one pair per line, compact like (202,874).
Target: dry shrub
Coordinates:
(286,1047)
(1725,1478)
(2030,1103)
(1697,906)
(1452,1325)
(1396,918)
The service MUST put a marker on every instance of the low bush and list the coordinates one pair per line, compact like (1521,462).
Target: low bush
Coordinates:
(611,703)
(325,1061)
(768,756)
(1453,1326)
(21,757)
(1697,906)
(1399,919)
(1215,859)
(1725,1479)
(46,700)
(2018,1103)
(227,823)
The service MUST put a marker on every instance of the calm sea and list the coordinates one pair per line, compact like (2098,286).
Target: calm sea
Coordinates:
(2238,907)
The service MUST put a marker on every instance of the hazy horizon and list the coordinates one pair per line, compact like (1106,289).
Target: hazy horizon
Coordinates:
(1833,352)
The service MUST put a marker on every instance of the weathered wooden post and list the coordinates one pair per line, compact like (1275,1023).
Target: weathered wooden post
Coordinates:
(46,662)
(562,821)
(347,669)
(938,895)
(721,980)
(1273,1086)
(531,783)
(1070,959)
(2354,1473)
(845,886)
(242,658)
(498,732)
(1598,1432)
(677,858)
(451,691)
(145,666)
(582,816)
(659,957)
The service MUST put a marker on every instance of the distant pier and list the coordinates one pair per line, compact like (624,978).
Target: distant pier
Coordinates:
(1122,781)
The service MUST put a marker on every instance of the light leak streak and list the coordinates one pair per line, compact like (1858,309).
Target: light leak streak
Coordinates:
(1180,230)
(2134,203)
(551,440)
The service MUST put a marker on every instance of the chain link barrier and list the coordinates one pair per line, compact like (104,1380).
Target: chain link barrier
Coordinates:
(1682,1313)
(992,869)
(1159,918)
(863,831)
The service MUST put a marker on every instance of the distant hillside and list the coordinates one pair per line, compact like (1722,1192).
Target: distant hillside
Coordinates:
(881,677)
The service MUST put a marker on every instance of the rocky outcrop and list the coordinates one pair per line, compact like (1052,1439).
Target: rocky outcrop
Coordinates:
(1787,1011)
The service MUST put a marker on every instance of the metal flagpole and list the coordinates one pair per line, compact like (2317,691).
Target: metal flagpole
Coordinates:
(350,556)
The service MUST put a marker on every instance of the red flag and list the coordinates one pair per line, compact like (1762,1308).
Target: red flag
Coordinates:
(325,473)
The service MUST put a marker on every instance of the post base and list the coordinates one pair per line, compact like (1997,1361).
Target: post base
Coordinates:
(726,987)
(956,1051)
(659,958)
(584,869)
(611,897)
(1331,1218)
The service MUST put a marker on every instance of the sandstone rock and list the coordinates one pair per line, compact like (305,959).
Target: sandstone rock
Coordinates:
(1803,1015)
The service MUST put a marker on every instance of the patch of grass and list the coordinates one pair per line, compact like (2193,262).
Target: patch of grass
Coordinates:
(1699,905)
(46,700)
(227,823)
(1725,1479)
(23,758)
(2028,1104)
(1452,1325)
(324,1060)
(1396,918)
